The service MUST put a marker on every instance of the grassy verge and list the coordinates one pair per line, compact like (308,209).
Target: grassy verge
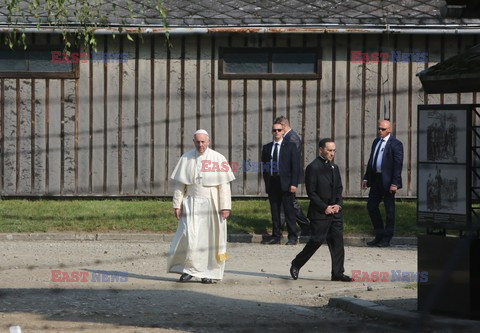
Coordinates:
(249,216)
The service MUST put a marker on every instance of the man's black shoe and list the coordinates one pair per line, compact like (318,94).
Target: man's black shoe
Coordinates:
(374,242)
(207,281)
(383,243)
(291,243)
(343,278)
(266,239)
(273,241)
(185,277)
(294,272)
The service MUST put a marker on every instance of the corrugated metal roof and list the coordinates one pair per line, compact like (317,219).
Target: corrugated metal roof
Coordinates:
(331,14)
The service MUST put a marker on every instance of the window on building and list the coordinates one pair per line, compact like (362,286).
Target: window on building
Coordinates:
(35,62)
(269,63)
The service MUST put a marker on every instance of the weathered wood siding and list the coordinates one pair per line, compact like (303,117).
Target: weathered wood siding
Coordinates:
(120,128)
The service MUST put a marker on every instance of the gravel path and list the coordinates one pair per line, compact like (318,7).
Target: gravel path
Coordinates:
(256,295)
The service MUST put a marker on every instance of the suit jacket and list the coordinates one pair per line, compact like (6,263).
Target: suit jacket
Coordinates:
(288,165)
(392,163)
(293,137)
(324,188)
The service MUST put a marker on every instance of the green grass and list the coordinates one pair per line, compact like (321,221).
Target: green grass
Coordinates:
(248,216)
(86,216)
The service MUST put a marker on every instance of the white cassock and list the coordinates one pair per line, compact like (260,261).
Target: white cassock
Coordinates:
(202,190)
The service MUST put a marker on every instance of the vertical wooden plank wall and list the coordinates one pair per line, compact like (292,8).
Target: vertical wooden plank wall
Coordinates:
(119,129)
(236,104)
(307,128)
(112,78)
(97,123)
(144,116)
(160,101)
(267,110)
(128,142)
(252,127)
(401,113)
(10,134)
(190,91)
(83,175)
(55,162)
(221,124)
(295,99)
(39,133)
(355,93)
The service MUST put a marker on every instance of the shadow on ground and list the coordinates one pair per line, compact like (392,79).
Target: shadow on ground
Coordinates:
(176,308)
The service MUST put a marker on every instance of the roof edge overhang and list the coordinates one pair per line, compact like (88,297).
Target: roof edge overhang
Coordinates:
(290,29)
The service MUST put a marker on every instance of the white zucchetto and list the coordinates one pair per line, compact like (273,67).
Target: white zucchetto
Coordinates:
(201,131)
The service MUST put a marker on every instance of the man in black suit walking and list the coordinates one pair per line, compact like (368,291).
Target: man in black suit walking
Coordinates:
(324,188)
(291,136)
(280,173)
(384,177)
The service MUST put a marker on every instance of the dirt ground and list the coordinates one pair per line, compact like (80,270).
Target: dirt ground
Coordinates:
(256,295)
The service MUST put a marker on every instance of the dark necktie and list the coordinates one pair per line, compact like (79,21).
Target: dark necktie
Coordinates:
(329,166)
(376,156)
(275,161)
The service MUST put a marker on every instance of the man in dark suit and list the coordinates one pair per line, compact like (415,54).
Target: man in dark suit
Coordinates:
(384,177)
(280,173)
(291,136)
(324,188)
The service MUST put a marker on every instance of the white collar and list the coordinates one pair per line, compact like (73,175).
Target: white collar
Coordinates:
(385,139)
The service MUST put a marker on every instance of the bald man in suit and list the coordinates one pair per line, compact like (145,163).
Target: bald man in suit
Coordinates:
(281,181)
(384,177)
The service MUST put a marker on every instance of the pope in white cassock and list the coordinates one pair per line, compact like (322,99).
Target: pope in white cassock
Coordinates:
(202,203)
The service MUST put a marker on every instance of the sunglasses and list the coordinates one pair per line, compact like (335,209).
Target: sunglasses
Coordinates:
(277,130)
(382,129)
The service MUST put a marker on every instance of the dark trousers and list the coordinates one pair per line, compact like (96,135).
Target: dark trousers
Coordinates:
(277,198)
(331,231)
(376,195)
(301,219)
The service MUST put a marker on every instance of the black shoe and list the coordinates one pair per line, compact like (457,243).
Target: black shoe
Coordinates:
(291,243)
(185,277)
(384,243)
(294,271)
(207,281)
(267,239)
(374,242)
(273,241)
(343,278)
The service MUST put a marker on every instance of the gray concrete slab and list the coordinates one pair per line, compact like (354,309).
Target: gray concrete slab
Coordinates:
(154,237)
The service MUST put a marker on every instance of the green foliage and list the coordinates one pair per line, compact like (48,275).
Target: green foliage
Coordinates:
(76,20)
